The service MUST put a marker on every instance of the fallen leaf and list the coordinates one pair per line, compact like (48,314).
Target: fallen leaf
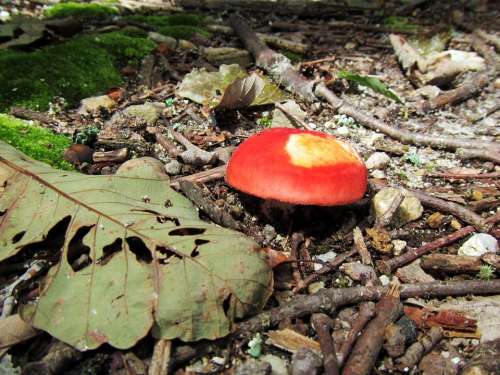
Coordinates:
(372,82)
(133,253)
(242,92)
(291,341)
(15,330)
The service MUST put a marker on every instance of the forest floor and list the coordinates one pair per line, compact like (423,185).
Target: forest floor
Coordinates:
(88,88)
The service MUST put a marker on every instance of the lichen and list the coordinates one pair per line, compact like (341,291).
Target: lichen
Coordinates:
(79,68)
(80,10)
(36,142)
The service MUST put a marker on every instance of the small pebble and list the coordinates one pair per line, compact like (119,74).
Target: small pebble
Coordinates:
(455,224)
(399,246)
(384,280)
(173,167)
(435,220)
(378,160)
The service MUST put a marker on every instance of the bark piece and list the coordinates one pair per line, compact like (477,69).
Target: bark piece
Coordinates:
(416,351)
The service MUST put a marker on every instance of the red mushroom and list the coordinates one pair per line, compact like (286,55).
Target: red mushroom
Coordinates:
(299,167)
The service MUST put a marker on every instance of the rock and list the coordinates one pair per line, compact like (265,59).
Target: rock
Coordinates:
(343,131)
(410,208)
(269,233)
(173,167)
(398,247)
(413,274)
(378,160)
(315,287)
(359,272)
(377,173)
(279,366)
(384,280)
(326,257)
(92,105)
(281,120)
(479,244)
(439,363)
(253,367)
(306,362)
(146,167)
(147,113)
(78,154)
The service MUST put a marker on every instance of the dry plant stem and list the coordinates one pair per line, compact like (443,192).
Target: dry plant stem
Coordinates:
(28,114)
(458,176)
(360,246)
(295,242)
(454,209)
(322,325)
(217,214)
(329,267)
(205,176)
(161,357)
(327,300)
(318,61)
(365,314)
(292,117)
(387,266)
(416,351)
(469,88)
(367,348)
(282,71)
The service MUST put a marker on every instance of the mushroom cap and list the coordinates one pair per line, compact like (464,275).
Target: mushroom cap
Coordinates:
(299,167)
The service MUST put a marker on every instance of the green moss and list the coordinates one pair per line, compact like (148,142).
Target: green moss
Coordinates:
(294,57)
(80,10)
(82,67)
(400,23)
(36,142)
(179,26)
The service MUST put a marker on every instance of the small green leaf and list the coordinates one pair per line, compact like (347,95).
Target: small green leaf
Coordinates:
(372,82)
(255,346)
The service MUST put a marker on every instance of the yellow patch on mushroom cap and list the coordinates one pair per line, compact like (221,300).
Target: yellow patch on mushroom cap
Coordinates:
(307,150)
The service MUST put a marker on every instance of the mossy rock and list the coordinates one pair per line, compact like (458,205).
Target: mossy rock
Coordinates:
(79,68)
(183,32)
(37,142)
(80,10)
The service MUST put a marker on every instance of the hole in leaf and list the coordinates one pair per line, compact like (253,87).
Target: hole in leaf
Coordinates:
(186,231)
(164,219)
(139,248)
(226,304)
(198,242)
(2,213)
(78,253)
(18,237)
(109,250)
(166,254)
(168,203)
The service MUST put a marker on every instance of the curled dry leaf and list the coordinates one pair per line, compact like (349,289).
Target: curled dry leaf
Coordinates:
(242,92)
(133,253)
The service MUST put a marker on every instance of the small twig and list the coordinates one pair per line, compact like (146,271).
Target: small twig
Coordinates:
(360,246)
(387,266)
(417,350)
(202,177)
(457,176)
(161,357)
(218,215)
(193,154)
(318,61)
(454,209)
(327,300)
(479,153)
(366,349)
(292,117)
(467,89)
(365,314)
(296,241)
(322,325)
(328,267)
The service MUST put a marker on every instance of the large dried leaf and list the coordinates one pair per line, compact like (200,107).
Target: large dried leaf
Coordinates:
(151,261)
(209,88)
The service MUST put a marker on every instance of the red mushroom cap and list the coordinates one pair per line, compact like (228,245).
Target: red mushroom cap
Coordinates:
(299,167)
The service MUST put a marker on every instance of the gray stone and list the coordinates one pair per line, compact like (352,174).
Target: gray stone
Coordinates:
(147,113)
(253,367)
(281,120)
(378,160)
(479,244)
(269,233)
(173,167)
(306,362)
(279,366)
